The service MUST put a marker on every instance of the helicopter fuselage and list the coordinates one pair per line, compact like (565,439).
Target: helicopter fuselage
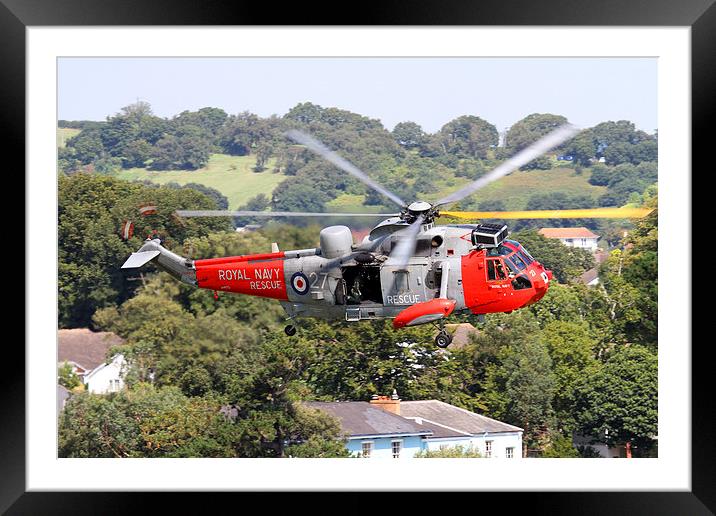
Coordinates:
(365,285)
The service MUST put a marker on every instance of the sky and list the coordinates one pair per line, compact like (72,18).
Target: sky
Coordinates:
(429,91)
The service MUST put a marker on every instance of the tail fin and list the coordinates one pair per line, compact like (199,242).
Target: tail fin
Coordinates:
(152,250)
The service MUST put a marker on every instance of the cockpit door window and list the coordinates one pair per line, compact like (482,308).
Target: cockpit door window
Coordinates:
(495,270)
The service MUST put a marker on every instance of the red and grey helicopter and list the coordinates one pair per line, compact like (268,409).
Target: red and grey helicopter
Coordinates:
(407,268)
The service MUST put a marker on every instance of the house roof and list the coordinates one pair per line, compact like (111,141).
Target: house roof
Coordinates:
(590,276)
(85,347)
(439,431)
(461,334)
(567,233)
(454,417)
(360,418)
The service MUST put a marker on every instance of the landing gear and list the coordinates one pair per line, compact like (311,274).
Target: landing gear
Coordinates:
(443,339)
(290,330)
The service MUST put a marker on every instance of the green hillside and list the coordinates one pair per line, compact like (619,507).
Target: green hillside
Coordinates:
(514,190)
(64,134)
(231,175)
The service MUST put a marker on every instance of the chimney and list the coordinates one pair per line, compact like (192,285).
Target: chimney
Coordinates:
(388,403)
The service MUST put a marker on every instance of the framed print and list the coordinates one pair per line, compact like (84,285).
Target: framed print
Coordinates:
(80,72)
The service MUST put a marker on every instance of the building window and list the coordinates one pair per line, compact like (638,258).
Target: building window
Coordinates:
(488,449)
(367,448)
(510,453)
(396,447)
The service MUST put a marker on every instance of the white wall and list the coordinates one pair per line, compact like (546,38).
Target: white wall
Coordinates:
(584,243)
(107,378)
(383,449)
(500,442)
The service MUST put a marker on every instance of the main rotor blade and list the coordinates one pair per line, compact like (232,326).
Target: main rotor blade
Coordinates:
(405,248)
(589,213)
(243,213)
(553,139)
(341,163)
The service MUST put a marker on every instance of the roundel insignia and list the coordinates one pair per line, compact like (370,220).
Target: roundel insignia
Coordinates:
(299,282)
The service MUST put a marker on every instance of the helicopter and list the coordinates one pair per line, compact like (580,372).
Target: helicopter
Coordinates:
(407,268)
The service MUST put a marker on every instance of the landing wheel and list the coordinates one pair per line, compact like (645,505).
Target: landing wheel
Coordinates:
(290,330)
(443,339)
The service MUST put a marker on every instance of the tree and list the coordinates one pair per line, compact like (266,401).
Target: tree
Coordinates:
(136,153)
(582,148)
(560,447)
(222,203)
(87,146)
(209,119)
(452,452)
(188,151)
(145,422)
(619,401)
(467,136)
(67,377)
(240,134)
(264,151)
(571,348)
(601,175)
(630,281)
(257,203)
(527,131)
(409,135)
(91,212)
(520,389)
(296,195)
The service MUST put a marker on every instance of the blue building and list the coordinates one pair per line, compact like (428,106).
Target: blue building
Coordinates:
(387,428)
(373,431)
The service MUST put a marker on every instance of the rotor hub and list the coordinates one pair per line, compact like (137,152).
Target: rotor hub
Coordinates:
(419,208)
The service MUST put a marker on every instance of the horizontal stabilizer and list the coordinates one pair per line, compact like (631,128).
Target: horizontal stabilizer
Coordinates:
(136,260)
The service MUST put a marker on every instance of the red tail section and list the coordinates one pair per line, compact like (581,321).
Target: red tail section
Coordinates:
(255,275)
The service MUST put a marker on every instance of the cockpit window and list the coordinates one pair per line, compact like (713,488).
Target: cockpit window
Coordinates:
(511,266)
(495,270)
(520,249)
(501,250)
(519,262)
(527,255)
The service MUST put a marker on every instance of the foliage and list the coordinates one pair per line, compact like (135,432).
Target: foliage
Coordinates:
(409,135)
(144,422)
(519,389)
(572,350)
(67,377)
(465,137)
(619,401)
(91,212)
(527,131)
(560,447)
(451,452)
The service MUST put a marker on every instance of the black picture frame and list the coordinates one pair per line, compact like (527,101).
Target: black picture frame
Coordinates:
(700,15)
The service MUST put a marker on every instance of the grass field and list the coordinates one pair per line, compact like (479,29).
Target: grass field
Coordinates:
(64,134)
(514,190)
(231,175)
